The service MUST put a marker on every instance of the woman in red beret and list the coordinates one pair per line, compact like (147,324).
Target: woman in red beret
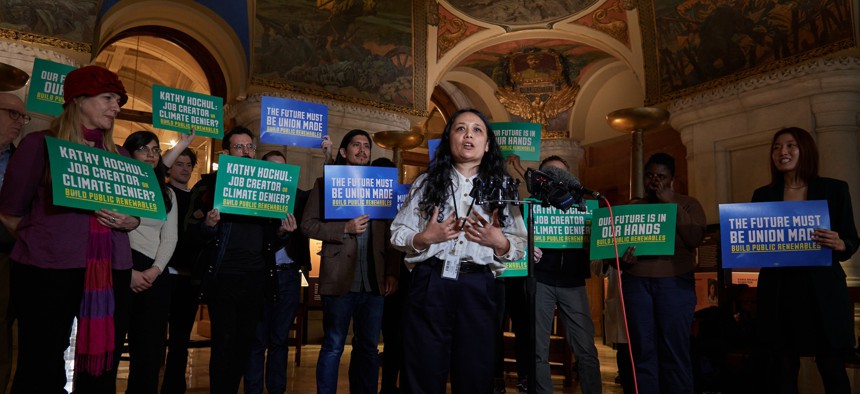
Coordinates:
(68,263)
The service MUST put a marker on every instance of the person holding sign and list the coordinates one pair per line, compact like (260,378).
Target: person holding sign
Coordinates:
(68,262)
(660,292)
(270,350)
(237,252)
(806,311)
(561,275)
(184,294)
(152,245)
(455,250)
(358,268)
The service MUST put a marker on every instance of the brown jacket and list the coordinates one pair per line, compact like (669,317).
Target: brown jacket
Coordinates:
(338,255)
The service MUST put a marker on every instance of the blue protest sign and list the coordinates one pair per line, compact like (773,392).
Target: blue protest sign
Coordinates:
(401,190)
(352,191)
(292,123)
(432,145)
(773,234)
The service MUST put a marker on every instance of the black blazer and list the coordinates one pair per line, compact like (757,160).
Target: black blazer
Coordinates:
(828,283)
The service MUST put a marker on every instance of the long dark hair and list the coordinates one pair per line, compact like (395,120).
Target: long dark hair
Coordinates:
(807,166)
(437,185)
(142,138)
(344,143)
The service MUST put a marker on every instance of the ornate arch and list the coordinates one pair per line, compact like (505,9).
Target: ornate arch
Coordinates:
(193,27)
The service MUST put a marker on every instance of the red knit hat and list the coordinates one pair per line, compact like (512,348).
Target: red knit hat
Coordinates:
(92,81)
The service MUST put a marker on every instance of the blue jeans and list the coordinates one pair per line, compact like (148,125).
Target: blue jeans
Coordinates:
(574,310)
(272,333)
(365,310)
(660,314)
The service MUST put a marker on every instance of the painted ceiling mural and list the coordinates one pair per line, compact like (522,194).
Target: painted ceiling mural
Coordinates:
(700,44)
(451,31)
(359,49)
(519,12)
(610,18)
(62,19)
(538,79)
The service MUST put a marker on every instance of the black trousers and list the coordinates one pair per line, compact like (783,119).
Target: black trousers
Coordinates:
(47,301)
(450,326)
(146,329)
(235,307)
(184,303)
(392,334)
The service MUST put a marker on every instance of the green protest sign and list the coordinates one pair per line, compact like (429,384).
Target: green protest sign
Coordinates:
(89,178)
(255,187)
(555,229)
(46,87)
(520,138)
(648,227)
(181,110)
(517,268)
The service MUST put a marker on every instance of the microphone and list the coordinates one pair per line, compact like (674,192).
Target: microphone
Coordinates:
(571,182)
(550,191)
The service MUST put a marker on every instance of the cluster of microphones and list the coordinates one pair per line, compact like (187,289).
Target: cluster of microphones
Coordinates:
(551,186)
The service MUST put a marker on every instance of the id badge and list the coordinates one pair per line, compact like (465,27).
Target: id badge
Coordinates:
(451,269)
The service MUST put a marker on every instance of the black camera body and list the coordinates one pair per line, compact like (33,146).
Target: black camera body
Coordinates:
(553,192)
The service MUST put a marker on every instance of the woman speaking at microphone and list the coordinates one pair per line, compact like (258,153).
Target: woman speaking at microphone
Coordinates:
(455,249)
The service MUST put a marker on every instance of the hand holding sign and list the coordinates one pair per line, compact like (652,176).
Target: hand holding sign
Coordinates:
(212,218)
(288,225)
(325,145)
(357,225)
(828,238)
(116,221)
(629,258)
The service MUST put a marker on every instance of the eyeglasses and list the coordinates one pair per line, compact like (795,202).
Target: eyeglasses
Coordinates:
(145,150)
(247,147)
(15,115)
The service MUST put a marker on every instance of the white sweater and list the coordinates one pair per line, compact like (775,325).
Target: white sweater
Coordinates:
(156,238)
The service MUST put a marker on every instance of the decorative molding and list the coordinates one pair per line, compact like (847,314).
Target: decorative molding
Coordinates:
(35,52)
(432,13)
(54,42)
(233,110)
(554,135)
(337,97)
(821,65)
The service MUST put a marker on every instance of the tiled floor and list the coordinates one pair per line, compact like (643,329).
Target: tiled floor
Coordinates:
(301,379)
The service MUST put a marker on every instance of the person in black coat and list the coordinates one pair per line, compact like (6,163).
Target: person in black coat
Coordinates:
(806,311)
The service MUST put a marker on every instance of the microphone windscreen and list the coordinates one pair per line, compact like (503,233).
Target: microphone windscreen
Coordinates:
(562,176)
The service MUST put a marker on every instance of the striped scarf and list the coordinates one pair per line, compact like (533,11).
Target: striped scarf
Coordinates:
(95,342)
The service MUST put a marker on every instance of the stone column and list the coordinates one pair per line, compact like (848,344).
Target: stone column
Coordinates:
(836,131)
(568,149)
